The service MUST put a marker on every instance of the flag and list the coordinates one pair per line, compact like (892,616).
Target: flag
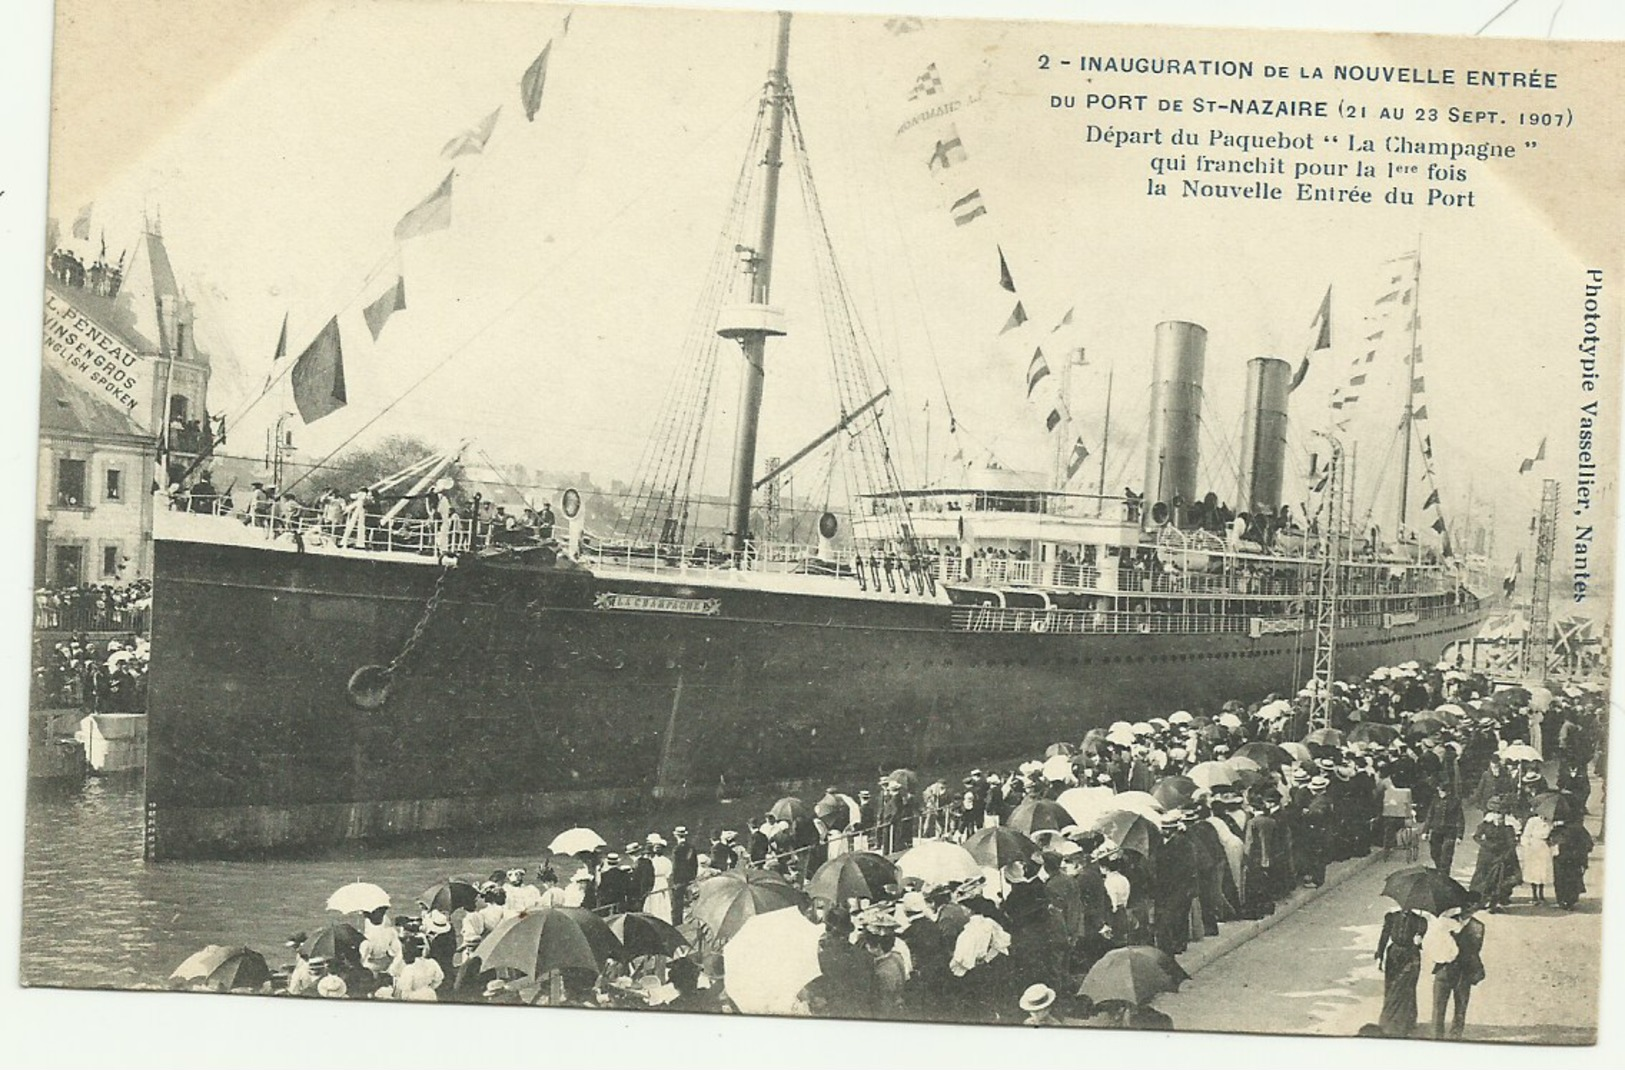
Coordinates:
(929,83)
(281,351)
(1420,414)
(1392,295)
(1427,447)
(1037,370)
(1321,325)
(387,304)
(1416,356)
(1438,524)
(1018,316)
(1351,399)
(432,213)
(948,152)
(1433,499)
(1052,420)
(81,223)
(968,208)
(1004,274)
(1080,453)
(1374,336)
(565,30)
(1529,462)
(1371,356)
(530,86)
(473,139)
(1357,380)
(1066,320)
(318,377)
(1418,386)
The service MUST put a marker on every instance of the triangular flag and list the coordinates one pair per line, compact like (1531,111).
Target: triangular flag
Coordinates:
(1004,273)
(1433,499)
(318,377)
(1427,446)
(568,15)
(1421,413)
(1080,453)
(1018,316)
(281,351)
(1323,318)
(530,86)
(1438,525)
(1385,298)
(432,213)
(472,140)
(1529,462)
(1066,320)
(1037,369)
(387,304)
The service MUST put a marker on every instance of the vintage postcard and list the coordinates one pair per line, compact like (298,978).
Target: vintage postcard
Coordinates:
(834,516)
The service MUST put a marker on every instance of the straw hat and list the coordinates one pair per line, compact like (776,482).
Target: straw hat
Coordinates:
(1037,997)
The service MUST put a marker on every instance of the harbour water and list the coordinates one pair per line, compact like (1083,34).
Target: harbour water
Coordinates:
(96,915)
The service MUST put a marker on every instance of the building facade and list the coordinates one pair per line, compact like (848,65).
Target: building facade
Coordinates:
(123,409)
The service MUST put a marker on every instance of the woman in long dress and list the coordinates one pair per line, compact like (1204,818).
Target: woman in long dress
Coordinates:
(1496,874)
(658,901)
(1571,855)
(1399,953)
(1535,855)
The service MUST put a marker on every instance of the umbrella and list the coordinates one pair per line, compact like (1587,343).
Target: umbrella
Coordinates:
(1239,764)
(770,960)
(553,938)
(1086,804)
(1263,755)
(1521,752)
(1034,814)
(1371,732)
(339,942)
(1139,802)
(907,779)
(790,809)
(449,895)
(1324,737)
(1554,805)
(1540,699)
(1228,720)
(576,841)
(1059,767)
(1210,775)
(1129,831)
(833,812)
(1421,888)
(1122,737)
(223,968)
(1452,711)
(1056,749)
(1001,845)
(1248,779)
(1092,740)
(1424,724)
(1132,975)
(1298,751)
(1175,792)
(937,862)
(644,934)
(854,875)
(730,899)
(358,898)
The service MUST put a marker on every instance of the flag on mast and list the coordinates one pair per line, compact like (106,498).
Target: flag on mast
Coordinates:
(1004,273)
(1321,326)
(1529,462)
(1037,370)
(531,85)
(281,351)
(318,377)
(431,214)
(385,305)
(473,139)
(1080,453)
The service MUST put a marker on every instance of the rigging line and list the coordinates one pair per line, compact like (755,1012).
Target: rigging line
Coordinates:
(1493,18)
(546,277)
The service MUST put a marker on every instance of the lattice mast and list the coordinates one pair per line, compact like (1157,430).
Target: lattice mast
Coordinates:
(1537,646)
(1328,563)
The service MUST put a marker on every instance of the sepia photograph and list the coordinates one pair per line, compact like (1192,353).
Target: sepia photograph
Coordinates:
(945,518)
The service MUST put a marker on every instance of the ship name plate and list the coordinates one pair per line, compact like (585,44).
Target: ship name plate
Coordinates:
(1259,626)
(650,603)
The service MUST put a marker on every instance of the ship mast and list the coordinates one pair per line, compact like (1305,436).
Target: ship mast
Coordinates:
(1410,391)
(751,325)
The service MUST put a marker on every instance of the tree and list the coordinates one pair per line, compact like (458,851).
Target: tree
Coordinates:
(359,467)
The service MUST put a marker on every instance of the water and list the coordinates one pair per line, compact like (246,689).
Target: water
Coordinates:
(96,915)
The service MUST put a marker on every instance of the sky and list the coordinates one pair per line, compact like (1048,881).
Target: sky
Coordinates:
(547,321)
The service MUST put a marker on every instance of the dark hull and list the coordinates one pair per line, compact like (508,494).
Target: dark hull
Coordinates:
(525,699)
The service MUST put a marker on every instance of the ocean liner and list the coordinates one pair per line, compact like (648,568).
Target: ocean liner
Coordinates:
(444,672)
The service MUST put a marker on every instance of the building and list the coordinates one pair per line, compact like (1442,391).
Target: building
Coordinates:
(123,404)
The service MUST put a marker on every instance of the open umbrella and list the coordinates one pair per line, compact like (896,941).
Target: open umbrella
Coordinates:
(1132,975)
(1324,737)
(855,875)
(644,934)
(1211,775)
(1054,749)
(1121,737)
(1228,719)
(730,899)
(1000,845)
(449,895)
(791,809)
(770,959)
(1092,740)
(1129,831)
(1248,779)
(553,938)
(1239,764)
(1175,792)
(1425,889)
(907,779)
(1521,752)
(576,841)
(339,942)
(1372,732)
(222,968)
(1452,711)
(1139,802)
(1031,815)
(1298,751)
(1086,804)
(358,898)
(937,862)
(1424,724)
(1059,768)
(833,811)
(1555,806)
(1263,755)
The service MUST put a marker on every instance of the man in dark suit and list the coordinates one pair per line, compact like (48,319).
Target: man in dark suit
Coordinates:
(615,885)
(685,866)
(1457,977)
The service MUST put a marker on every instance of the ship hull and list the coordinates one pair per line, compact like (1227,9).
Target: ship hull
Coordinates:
(531,694)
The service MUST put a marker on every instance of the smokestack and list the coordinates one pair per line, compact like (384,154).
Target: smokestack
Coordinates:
(1263,436)
(1173,442)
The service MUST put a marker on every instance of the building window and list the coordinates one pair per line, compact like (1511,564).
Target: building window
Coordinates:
(70,564)
(70,483)
(115,485)
(110,562)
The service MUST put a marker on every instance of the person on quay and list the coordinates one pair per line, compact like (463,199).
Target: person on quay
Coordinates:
(552,893)
(1399,953)
(658,900)
(685,867)
(616,885)
(1496,874)
(1571,854)
(1446,824)
(1457,944)
(1535,856)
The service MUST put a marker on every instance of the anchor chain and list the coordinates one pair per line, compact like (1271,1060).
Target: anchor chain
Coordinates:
(369,685)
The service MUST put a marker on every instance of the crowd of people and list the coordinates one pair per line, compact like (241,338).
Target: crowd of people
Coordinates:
(94,675)
(93,607)
(996,897)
